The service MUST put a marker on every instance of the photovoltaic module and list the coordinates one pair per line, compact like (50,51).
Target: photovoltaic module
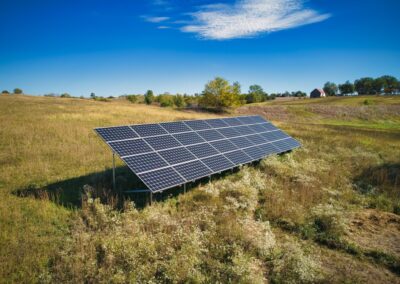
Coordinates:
(169,154)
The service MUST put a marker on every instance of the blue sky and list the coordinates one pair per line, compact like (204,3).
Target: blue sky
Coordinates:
(119,47)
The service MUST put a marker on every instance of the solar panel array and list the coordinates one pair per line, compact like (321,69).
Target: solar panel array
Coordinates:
(169,154)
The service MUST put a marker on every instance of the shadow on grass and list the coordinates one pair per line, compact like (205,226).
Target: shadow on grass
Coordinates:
(72,192)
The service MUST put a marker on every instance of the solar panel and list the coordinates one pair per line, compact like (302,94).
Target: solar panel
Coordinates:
(145,162)
(145,130)
(169,154)
(116,133)
(175,127)
(202,150)
(238,157)
(241,142)
(218,163)
(193,170)
(223,145)
(197,124)
(217,123)
(162,142)
(244,130)
(211,135)
(229,132)
(161,179)
(130,147)
(254,152)
(177,155)
(189,138)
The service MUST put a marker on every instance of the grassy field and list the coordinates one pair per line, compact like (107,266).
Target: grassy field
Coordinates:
(328,212)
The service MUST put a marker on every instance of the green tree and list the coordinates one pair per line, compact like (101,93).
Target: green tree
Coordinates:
(346,88)
(93,95)
(65,95)
(18,91)
(5,92)
(256,94)
(330,89)
(377,86)
(364,86)
(390,84)
(220,95)
(179,101)
(149,97)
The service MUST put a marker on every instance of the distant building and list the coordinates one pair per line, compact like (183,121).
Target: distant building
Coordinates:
(317,93)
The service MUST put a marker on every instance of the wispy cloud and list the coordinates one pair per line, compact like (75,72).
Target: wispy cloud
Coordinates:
(155,19)
(247,18)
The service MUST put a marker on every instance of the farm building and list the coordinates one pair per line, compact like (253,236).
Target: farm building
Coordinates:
(317,93)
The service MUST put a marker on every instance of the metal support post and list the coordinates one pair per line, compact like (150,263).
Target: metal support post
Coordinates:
(114,172)
(151,197)
(184,188)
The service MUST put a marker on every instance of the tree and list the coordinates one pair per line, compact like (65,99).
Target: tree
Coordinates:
(255,95)
(65,95)
(364,86)
(390,84)
(219,94)
(18,91)
(330,89)
(93,95)
(5,92)
(179,101)
(149,97)
(377,86)
(346,88)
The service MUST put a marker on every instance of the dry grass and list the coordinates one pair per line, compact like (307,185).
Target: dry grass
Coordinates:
(218,232)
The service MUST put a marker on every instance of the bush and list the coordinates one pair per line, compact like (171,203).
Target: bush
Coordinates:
(5,92)
(65,95)
(18,91)
(292,265)
(166,100)
(149,97)
(132,98)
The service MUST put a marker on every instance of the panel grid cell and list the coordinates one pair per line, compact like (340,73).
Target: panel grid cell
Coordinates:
(145,130)
(238,157)
(216,123)
(130,147)
(145,162)
(232,121)
(218,163)
(210,135)
(116,133)
(254,152)
(193,170)
(241,142)
(229,132)
(161,179)
(197,124)
(177,155)
(223,145)
(162,142)
(175,127)
(189,138)
(202,150)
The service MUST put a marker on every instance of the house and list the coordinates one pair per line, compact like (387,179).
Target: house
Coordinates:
(317,93)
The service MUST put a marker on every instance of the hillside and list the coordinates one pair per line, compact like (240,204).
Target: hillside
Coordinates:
(328,212)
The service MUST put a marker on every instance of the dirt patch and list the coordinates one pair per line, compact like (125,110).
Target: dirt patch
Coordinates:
(374,230)
(343,268)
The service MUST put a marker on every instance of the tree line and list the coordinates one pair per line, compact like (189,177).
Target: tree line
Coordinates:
(388,85)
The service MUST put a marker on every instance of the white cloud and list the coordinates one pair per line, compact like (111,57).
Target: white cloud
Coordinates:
(247,18)
(155,19)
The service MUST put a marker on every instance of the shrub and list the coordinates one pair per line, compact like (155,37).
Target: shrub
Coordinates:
(5,92)
(18,91)
(166,100)
(132,98)
(65,95)
(149,97)
(292,265)
(179,101)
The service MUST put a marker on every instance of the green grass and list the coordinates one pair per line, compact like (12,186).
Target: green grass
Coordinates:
(216,232)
